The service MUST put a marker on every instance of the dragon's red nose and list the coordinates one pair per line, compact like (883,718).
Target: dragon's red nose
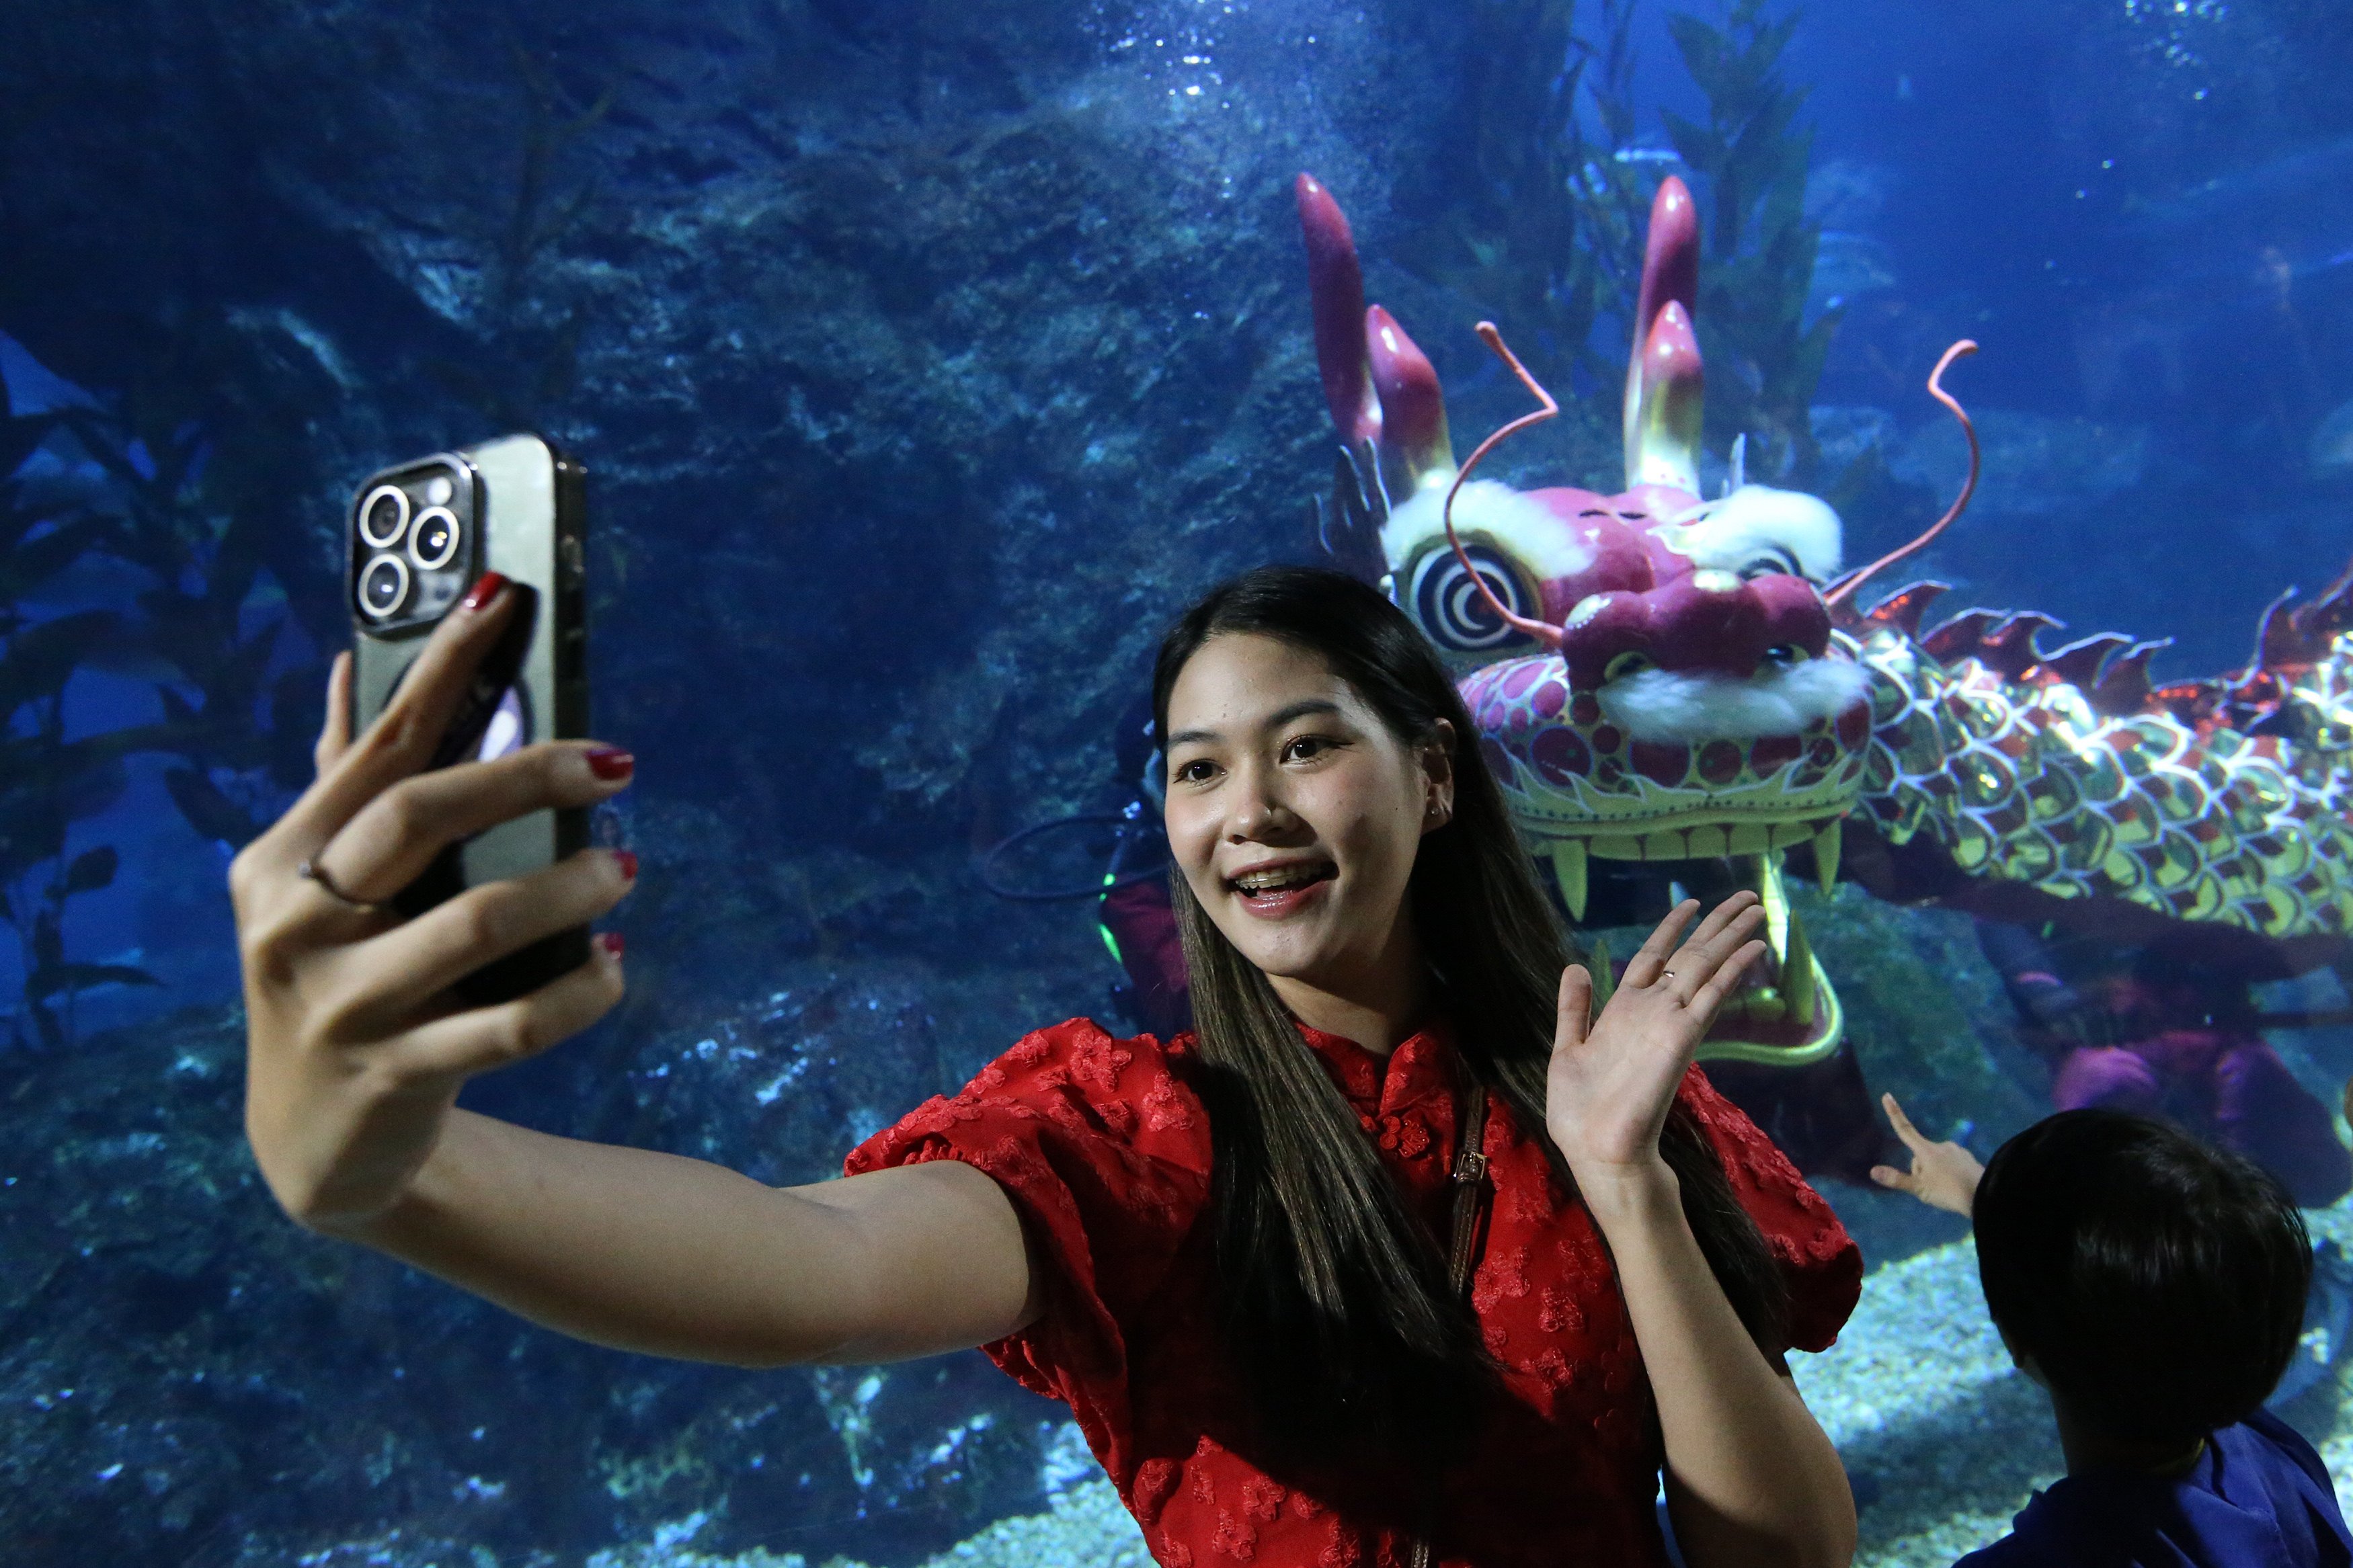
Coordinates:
(1702,622)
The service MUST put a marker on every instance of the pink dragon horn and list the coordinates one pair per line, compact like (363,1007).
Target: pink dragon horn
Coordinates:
(1337,285)
(1664,372)
(1414,446)
(1662,439)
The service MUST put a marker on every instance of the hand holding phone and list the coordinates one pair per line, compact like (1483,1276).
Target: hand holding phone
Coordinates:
(355,1051)
(421,914)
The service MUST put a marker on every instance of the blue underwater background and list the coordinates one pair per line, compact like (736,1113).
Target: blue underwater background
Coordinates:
(927,357)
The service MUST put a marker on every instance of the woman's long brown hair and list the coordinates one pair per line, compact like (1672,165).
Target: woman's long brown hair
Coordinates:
(1336,1303)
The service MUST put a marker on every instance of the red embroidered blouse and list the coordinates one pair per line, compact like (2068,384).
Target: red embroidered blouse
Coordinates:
(1104,1148)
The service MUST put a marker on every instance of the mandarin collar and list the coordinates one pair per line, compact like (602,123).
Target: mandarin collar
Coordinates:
(1420,1067)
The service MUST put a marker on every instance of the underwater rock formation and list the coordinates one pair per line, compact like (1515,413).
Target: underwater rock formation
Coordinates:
(993,319)
(899,380)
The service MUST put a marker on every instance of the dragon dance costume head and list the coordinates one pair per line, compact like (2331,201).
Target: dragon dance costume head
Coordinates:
(1663,679)
(1653,674)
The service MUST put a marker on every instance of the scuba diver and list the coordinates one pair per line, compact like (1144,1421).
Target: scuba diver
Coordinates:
(1133,915)
(1137,920)
(1227,1253)
(2153,1030)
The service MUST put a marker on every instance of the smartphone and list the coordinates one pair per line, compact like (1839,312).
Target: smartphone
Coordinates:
(422,533)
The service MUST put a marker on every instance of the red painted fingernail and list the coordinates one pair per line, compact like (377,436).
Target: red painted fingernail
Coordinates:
(628,860)
(610,941)
(488,586)
(610,762)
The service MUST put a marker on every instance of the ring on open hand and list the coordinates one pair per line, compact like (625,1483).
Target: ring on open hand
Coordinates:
(311,871)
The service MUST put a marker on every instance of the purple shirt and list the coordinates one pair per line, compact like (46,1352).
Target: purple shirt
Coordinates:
(2257,1498)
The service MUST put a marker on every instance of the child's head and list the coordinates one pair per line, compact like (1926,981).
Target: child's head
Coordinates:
(2155,1284)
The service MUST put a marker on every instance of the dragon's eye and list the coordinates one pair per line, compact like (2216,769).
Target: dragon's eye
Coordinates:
(1625,663)
(1447,602)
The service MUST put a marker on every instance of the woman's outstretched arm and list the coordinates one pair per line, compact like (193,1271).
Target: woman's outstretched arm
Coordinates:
(356,1050)
(1751,1478)
(651,1252)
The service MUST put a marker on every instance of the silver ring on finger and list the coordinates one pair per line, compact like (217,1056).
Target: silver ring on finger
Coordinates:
(311,871)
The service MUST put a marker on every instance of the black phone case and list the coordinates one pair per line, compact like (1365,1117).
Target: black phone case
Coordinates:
(521,508)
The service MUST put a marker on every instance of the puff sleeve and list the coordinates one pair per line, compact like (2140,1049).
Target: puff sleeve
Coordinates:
(1105,1151)
(1819,1262)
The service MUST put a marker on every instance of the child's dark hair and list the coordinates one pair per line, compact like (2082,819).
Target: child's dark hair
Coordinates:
(2157,1282)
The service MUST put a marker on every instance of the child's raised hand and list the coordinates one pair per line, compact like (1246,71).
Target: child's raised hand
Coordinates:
(1943,1175)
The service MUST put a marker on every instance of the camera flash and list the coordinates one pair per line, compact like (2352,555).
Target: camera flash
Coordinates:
(438,490)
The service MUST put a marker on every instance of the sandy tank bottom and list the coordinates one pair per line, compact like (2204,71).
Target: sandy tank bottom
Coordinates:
(1917,1393)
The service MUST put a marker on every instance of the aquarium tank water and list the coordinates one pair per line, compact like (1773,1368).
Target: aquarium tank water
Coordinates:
(926,359)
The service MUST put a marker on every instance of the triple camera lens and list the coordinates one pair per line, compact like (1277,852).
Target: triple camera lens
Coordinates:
(410,535)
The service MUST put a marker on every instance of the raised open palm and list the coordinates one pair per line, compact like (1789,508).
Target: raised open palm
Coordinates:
(1613,1078)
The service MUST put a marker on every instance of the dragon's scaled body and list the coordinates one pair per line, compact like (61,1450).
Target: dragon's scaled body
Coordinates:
(2219,801)
(1661,678)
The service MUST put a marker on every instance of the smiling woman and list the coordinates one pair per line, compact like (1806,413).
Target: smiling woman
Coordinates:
(1347,875)
(1407,1259)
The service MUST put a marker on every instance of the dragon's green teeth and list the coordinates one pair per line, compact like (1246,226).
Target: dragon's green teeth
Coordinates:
(1569,869)
(1826,845)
